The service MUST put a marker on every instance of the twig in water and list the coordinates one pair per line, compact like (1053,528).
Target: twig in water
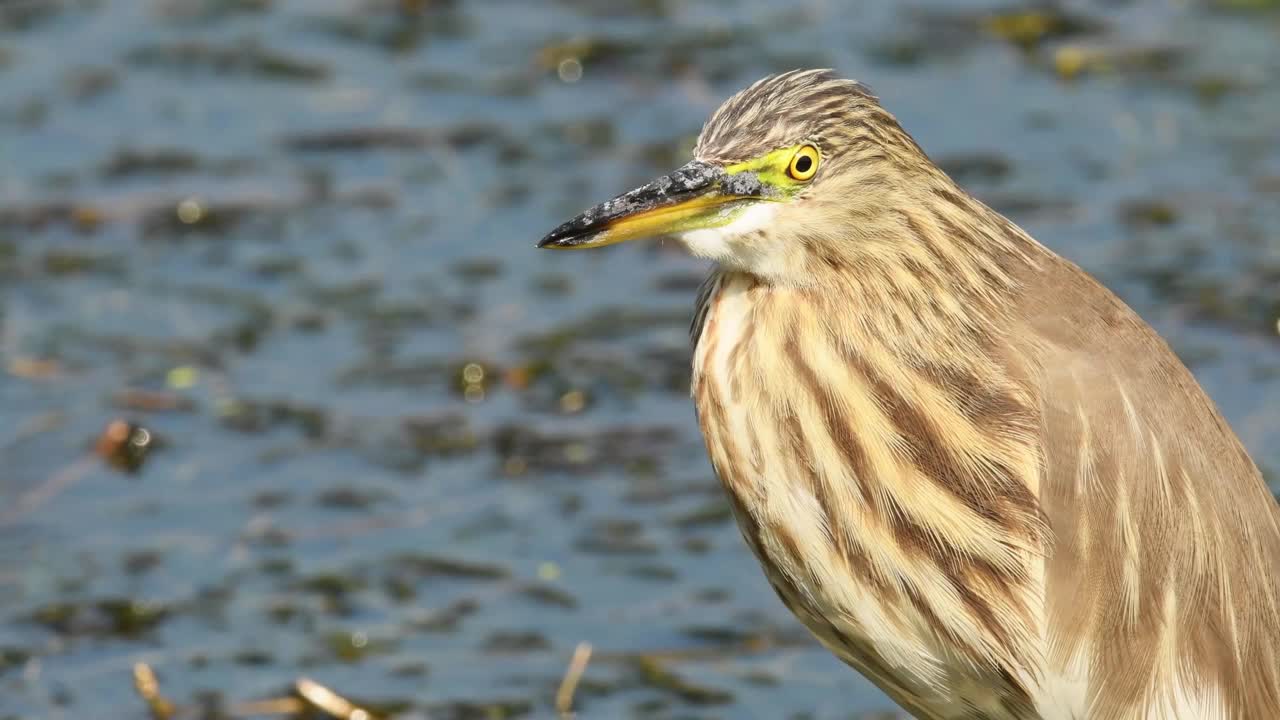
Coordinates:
(145,682)
(577,666)
(326,700)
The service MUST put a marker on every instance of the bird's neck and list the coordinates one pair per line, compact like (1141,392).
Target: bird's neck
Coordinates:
(932,272)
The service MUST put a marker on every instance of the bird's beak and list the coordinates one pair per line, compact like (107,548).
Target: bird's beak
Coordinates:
(696,196)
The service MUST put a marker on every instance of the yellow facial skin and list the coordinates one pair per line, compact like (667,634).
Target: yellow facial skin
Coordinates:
(775,169)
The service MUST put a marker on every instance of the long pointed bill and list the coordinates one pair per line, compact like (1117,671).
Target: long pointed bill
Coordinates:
(698,195)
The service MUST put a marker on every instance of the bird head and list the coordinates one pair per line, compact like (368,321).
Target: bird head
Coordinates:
(781,173)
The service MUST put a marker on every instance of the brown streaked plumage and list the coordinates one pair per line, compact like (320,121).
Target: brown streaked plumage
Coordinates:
(968,468)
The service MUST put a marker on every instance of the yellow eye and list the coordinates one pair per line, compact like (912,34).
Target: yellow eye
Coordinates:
(804,163)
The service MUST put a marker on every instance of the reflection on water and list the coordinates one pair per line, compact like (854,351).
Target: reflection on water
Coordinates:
(392,447)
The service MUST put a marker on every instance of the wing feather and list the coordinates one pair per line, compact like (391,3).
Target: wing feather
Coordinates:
(1163,569)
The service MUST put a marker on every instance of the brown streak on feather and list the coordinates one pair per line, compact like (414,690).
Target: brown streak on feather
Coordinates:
(995,494)
(839,428)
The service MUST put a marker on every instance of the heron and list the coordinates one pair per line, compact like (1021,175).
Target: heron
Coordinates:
(967,467)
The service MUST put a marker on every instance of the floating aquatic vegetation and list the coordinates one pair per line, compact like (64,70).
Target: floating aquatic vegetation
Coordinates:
(244,58)
(107,617)
(159,161)
(1073,60)
(424,565)
(1030,28)
(654,673)
(1152,212)
(613,447)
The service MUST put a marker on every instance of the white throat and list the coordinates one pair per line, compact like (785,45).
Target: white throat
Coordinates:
(730,245)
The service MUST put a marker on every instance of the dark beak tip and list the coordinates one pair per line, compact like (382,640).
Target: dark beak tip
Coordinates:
(554,239)
(569,234)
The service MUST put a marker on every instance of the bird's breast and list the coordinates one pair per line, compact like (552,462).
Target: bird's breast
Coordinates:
(818,454)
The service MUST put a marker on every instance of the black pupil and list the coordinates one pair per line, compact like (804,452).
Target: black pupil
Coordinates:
(803,163)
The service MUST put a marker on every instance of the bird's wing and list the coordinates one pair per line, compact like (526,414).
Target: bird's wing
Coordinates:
(1162,575)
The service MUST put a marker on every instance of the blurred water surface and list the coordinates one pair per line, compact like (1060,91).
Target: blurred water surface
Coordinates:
(401,452)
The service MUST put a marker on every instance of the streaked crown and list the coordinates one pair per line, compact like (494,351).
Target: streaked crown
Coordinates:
(782,110)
